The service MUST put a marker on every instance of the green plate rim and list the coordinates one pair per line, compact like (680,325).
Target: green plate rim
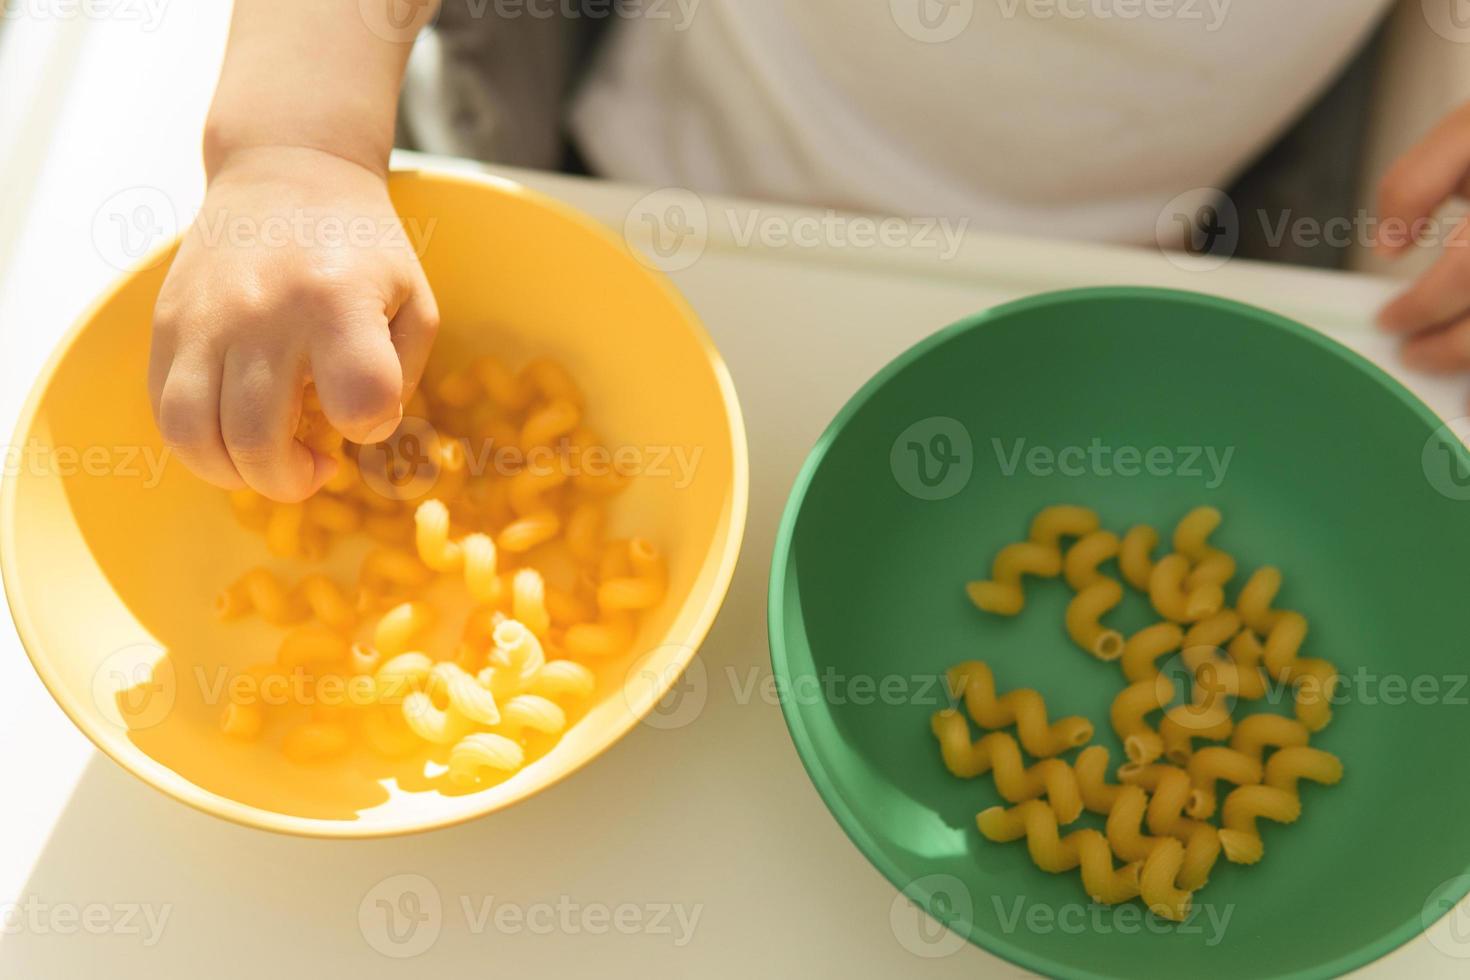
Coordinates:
(776,620)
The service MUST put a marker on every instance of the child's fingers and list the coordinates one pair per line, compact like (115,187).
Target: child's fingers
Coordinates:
(1441,351)
(187,413)
(258,412)
(358,377)
(1436,168)
(1438,296)
(413,330)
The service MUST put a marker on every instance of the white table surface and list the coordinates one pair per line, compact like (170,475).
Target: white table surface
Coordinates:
(714,819)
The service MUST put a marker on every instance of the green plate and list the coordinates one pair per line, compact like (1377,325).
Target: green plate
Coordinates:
(1140,403)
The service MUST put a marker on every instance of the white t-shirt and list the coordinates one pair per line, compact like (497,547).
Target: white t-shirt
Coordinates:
(1069,118)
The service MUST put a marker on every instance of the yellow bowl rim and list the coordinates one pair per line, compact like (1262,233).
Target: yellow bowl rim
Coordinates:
(176,786)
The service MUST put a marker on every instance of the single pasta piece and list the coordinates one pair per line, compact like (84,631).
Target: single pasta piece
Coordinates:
(1002,593)
(1215,568)
(1135,555)
(1201,852)
(1171,792)
(999,753)
(1314,680)
(1130,708)
(1024,708)
(525,533)
(1038,824)
(312,646)
(1239,837)
(1191,534)
(1079,567)
(1091,767)
(583,532)
(1124,827)
(517,649)
(1214,763)
(481,574)
(1256,597)
(316,741)
(333,514)
(1053,523)
(465,694)
(1246,650)
(242,721)
(400,626)
(1208,718)
(402,675)
(534,712)
(1143,649)
(507,390)
(549,423)
(1167,592)
(1157,882)
(1287,767)
(1212,632)
(391,568)
(475,753)
(431,723)
(610,636)
(250,508)
(1256,732)
(259,591)
(363,659)
(530,490)
(1084,612)
(562,679)
(528,601)
(431,537)
(644,589)
(546,376)
(328,603)
(283,530)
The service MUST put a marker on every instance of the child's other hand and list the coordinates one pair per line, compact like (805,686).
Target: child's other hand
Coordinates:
(296,268)
(1432,314)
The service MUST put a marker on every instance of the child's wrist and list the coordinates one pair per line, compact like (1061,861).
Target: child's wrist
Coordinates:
(227,147)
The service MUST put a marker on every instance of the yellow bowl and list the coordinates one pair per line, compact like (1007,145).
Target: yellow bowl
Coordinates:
(112,553)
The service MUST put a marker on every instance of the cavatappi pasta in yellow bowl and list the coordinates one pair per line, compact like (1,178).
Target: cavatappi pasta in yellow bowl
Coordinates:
(466,613)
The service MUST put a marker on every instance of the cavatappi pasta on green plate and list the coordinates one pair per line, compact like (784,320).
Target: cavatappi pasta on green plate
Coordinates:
(1196,783)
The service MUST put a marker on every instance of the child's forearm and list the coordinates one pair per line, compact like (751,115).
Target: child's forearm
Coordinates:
(310,73)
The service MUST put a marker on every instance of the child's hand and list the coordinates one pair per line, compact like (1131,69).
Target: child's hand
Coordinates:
(1433,314)
(297,268)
